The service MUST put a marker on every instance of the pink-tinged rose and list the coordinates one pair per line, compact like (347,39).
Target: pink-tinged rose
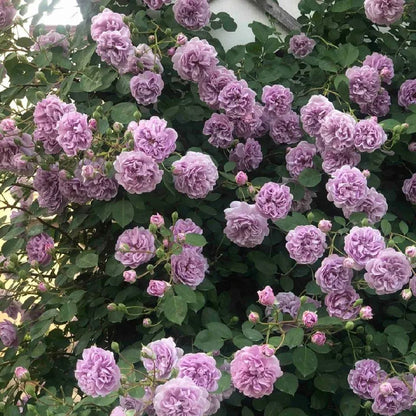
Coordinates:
(42,287)
(21,373)
(181,39)
(267,350)
(309,319)
(253,317)
(410,251)
(157,288)
(147,322)
(266,296)
(129,276)
(318,338)
(325,226)
(406,294)
(366,313)
(241,178)
(157,220)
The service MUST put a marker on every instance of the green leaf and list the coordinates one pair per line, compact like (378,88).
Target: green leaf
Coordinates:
(113,267)
(123,212)
(309,177)
(186,293)
(261,31)
(347,54)
(292,411)
(91,79)
(195,239)
(404,228)
(83,57)
(175,309)
(292,221)
(305,361)
(288,383)
(272,409)
(224,382)
(87,259)
(327,383)
(401,342)
(123,112)
(385,227)
(294,337)
(350,405)
(208,341)
(67,312)
(220,330)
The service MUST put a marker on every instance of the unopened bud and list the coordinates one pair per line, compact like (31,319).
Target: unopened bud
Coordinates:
(160,253)
(175,217)
(253,317)
(151,39)
(349,326)
(241,178)
(358,302)
(267,350)
(406,294)
(181,39)
(318,338)
(117,127)
(42,287)
(157,220)
(412,147)
(366,173)
(153,228)
(364,222)
(129,276)
(21,373)
(137,115)
(115,347)
(150,268)
(92,124)
(167,267)
(412,368)
(325,226)
(111,307)
(171,51)
(410,251)
(391,243)
(366,313)
(147,322)
(369,339)
(310,216)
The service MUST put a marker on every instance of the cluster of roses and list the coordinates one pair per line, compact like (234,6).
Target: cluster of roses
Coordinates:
(179,381)
(137,246)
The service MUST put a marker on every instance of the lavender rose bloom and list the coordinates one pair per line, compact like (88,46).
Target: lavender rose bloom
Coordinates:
(363,244)
(253,373)
(137,173)
(97,373)
(337,130)
(154,138)
(46,183)
(189,267)
(409,189)
(7,13)
(300,158)
(333,160)
(8,334)
(245,227)
(73,133)
(156,4)
(383,64)
(201,369)
(407,93)
(135,247)
(277,100)
(341,304)
(195,59)
(305,244)
(157,288)
(107,21)
(374,205)
(237,99)
(247,156)
(220,129)
(52,39)
(332,276)
(365,376)
(314,112)
(251,124)
(285,129)
(380,107)
(391,397)
(369,135)
(194,175)
(364,84)
(289,303)
(38,249)
(348,187)
(160,357)
(183,227)
(146,87)
(301,46)
(73,189)
(146,59)
(211,85)
(192,14)
(180,397)
(384,12)
(118,411)
(388,272)
(274,200)
(115,48)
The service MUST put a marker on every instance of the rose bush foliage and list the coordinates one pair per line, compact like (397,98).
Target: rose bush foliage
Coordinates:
(193,231)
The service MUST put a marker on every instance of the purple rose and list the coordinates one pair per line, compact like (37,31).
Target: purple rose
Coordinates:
(333,160)
(8,332)
(299,158)
(305,244)
(247,156)
(39,248)
(412,285)
(384,12)
(391,397)
(156,4)
(136,172)
(288,302)
(107,21)
(73,133)
(363,244)
(73,189)
(201,369)
(118,411)
(237,99)
(251,124)
(157,288)
(274,200)
(277,100)
(383,64)
(407,93)
(115,48)
(154,138)
(183,227)
(97,373)
(380,107)
(285,129)
(189,267)
(194,60)
(245,227)
(332,276)
(337,130)
(220,129)
(146,87)
(160,357)
(348,187)
(146,59)
(52,39)
(314,112)
(181,396)
(304,204)
(192,14)
(211,85)
(364,84)
(388,272)
(374,205)
(409,189)
(254,373)
(341,304)
(7,13)
(135,246)
(365,376)
(301,46)
(369,135)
